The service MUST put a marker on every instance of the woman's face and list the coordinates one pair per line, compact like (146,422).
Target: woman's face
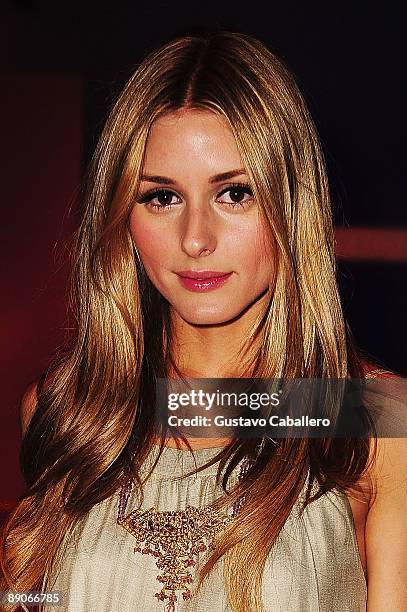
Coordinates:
(199,220)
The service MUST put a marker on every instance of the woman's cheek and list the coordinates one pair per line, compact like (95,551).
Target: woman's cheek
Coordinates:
(150,242)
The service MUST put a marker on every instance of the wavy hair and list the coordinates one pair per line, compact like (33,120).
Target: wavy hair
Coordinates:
(93,427)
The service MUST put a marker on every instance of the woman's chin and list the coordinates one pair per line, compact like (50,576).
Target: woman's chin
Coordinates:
(205,317)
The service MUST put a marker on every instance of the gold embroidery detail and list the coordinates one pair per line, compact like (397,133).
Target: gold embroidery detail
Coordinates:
(174,537)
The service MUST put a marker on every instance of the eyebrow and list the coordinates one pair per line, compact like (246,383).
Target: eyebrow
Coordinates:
(217,178)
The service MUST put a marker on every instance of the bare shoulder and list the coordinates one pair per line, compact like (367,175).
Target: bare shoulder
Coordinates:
(388,468)
(387,455)
(386,527)
(28,405)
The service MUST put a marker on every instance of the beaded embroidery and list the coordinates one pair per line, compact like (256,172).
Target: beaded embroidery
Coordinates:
(175,537)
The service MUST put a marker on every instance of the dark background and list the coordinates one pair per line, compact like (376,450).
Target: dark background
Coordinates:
(62,65)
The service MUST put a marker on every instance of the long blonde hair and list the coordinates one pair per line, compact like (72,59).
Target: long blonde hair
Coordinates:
(93,410)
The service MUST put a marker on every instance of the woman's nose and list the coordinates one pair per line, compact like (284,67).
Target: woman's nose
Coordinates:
(198,231)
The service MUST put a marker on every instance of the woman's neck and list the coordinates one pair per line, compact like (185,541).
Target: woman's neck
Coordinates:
(212,351)
(224,350)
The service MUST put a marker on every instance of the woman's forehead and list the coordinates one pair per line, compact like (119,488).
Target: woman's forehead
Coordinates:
(191,140)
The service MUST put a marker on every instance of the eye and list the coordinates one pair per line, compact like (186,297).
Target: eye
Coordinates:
(163,196)
(237,191)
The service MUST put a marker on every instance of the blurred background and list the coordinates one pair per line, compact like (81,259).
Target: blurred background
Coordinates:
(62,64)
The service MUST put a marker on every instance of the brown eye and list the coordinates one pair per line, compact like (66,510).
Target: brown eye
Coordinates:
(236,195)
(163,197)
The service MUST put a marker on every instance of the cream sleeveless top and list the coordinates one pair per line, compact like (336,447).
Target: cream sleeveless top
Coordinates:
(314,565)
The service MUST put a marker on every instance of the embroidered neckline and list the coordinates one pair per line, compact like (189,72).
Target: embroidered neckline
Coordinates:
(174,538)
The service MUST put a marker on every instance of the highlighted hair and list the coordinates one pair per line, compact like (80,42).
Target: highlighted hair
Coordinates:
(94,404)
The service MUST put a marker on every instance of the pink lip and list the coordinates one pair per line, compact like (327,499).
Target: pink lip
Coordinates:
(202,274)
(204,284)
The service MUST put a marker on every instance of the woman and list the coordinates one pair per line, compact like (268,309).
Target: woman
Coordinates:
(209,163)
